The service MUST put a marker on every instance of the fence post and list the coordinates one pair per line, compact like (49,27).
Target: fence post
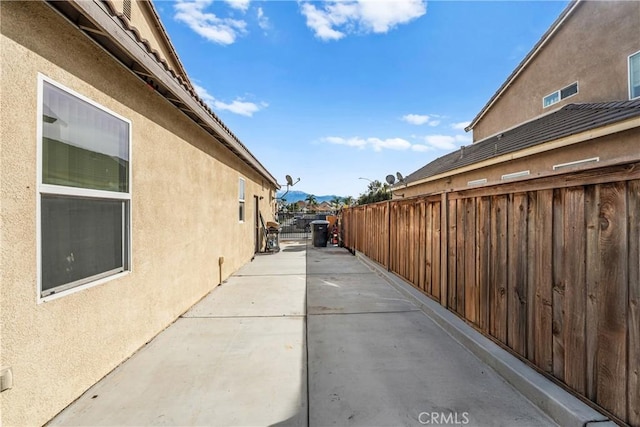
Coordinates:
(444,247)
(388,235)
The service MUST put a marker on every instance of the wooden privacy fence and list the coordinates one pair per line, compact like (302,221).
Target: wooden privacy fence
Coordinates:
(548,267)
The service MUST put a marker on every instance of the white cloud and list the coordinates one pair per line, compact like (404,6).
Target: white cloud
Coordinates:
(238,106)
(263,21)
(241,5)
(443,142)
(421,148)
(416,119)
(461,125)
(376,144)
(321,23)
(208,25)
(421,119)
(333,20)
(446,142)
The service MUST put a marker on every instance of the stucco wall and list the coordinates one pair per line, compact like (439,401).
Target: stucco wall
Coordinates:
(618,147)
(592,48)
(184,216)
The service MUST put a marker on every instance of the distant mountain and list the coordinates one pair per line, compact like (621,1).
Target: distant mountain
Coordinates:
(296,196)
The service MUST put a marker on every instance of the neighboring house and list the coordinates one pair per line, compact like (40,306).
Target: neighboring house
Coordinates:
(302,205)
(324,207)
(124,199)
(573,102)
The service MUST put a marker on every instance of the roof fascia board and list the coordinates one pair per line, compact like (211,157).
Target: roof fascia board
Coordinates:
(536,149)
(95,12)
(525,62)
(148,5)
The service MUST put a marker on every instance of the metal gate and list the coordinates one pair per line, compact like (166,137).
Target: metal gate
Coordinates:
(295,226)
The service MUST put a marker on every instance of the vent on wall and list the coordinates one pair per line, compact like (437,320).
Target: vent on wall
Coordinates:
(575,163)
(477,182)
(126,9)
(514,175)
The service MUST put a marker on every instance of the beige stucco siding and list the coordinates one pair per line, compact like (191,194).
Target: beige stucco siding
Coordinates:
(619,147)
(592,47)
(184,217)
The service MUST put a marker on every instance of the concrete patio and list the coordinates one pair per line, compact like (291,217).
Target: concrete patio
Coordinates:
(314,337)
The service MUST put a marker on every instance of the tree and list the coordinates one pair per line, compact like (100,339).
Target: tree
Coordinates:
(293,207)
(336,203)
(348,201)
(376,192)
(312,202)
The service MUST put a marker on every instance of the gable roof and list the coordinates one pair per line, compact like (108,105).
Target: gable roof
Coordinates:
(570,120)
(113,32)
(523,64)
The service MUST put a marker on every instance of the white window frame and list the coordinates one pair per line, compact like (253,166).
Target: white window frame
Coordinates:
(559,93)
(242,188)
(60,190)
(629,75)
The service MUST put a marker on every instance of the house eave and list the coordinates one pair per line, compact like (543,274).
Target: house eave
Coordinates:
(536,149)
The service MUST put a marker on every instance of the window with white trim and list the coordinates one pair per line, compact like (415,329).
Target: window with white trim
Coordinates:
(84,191)
(634,76)
(559,95)
(241,210)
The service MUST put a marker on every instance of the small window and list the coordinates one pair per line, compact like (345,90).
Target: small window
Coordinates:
(551,99)
(634,76)
(84,191)
(559,95)
(568,91)
(241,210)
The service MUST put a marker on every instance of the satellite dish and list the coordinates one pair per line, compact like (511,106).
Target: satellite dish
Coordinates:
(400,177)
(289,180)
(390,179)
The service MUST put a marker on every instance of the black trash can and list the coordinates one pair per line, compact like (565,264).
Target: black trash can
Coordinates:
(319,233)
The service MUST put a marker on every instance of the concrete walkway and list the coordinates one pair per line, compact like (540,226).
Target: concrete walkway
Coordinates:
(307,336)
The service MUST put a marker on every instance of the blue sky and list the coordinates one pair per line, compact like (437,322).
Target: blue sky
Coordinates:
(332,92)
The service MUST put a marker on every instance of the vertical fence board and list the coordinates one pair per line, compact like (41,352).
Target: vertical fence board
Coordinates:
(422,245)
(435,251)
(612,300)
(532,285)
(558,284)
(517,292)
(592,257)
(470,285)
(542,276)
(483,249)
(428,280)
(498,283)
(405,241)
(452,246)
(633,394)
(460,261)
(444,247)
(575,288)
(412,244)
